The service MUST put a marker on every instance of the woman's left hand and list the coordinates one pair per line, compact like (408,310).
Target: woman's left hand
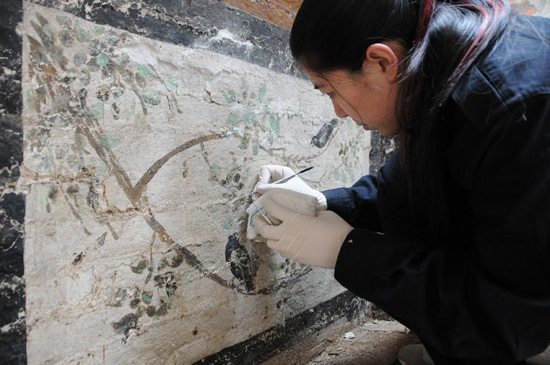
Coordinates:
(275,172)
(310,240)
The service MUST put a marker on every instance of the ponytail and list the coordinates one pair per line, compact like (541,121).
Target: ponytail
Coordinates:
(456,34)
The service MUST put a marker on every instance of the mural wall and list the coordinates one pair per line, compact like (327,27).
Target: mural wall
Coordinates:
(133,149)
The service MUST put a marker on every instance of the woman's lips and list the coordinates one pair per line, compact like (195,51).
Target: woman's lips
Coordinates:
(361,124)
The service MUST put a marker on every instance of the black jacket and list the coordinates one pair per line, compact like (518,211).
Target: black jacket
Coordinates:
(479,294)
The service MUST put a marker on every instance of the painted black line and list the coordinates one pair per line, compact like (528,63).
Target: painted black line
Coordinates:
(155,167)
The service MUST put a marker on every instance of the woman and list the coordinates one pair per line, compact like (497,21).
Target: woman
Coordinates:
(452,238)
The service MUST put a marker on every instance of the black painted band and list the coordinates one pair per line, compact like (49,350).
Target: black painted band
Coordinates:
(12,205)
(277,339)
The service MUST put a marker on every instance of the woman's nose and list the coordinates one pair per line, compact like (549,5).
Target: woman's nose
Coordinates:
(340,113)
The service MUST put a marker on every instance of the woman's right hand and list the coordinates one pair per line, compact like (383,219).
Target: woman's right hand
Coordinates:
(311,240)
(270,173)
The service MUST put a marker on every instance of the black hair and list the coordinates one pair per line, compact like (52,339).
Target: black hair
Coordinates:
(442,39)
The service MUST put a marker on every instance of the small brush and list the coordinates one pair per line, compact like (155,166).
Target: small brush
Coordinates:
(280,181)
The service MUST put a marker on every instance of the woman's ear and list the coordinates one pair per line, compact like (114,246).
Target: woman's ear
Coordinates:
(383,58)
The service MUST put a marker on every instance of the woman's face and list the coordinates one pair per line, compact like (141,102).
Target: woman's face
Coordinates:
(369,96)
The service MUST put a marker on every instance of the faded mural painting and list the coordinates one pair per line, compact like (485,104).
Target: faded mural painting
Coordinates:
(132,150)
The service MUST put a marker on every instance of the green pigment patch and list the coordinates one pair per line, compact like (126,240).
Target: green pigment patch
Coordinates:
(262,91)
(293,303)
(215,171)
(99,30)
(147,297)
(228,222)
(46,163)
(111,140)
(63,20)
(274,267)
(274,124)
(81,33)
(232,120)
(171,289)
(117,92)
(112,37)
(145,72)
(248,118)
(230,96)
(171,85)
(255,147)
(102,60)
(97,110)
(152,96)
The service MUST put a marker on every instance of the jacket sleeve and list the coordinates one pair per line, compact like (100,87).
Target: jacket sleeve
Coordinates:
(490,297)
(357,205)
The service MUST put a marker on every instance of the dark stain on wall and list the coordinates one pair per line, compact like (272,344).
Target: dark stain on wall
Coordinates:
(282,337)
(126,324)
(239,260)
(12,205)
(321,139)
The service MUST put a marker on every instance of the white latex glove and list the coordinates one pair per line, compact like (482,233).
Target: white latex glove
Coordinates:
(300,203)
(314,241)
(270,173)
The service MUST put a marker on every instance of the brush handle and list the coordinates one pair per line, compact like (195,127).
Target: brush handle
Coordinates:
(280,181)
(285,179)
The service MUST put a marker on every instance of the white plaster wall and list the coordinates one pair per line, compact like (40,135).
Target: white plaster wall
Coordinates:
(118,271)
